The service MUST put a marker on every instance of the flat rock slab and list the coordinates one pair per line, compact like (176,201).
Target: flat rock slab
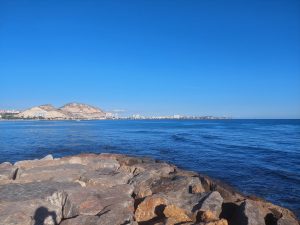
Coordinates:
(105,177)
(93,200)
(28,191)
(114,189)
(71,172)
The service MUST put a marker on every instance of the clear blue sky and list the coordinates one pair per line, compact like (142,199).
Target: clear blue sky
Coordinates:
(153,57)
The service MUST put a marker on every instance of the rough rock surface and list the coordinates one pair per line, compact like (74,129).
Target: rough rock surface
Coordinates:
(111,189)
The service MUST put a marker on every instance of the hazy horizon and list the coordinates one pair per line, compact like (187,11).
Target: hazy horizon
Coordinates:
(124,113)
(236,59)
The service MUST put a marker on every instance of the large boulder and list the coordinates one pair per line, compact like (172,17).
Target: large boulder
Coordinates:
(36,202)
(179,206)
(178,214)
(177,184)
(287,221)
(151,208)
(249,213)
(211,206)
(92,200)
(105,177)
(7,171)
(63,172)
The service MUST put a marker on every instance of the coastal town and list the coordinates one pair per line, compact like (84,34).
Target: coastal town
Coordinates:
(80,111)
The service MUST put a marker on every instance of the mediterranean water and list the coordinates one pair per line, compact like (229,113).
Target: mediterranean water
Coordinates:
(257,157)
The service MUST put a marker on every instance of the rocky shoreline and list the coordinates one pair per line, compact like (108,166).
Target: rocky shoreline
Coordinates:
(113,189)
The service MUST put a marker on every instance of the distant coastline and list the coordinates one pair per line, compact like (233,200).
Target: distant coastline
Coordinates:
(120,118)
(81,111)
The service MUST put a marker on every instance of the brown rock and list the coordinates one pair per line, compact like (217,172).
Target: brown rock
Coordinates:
(171,221)
(27,164)
(105,177)
(212,203)
(276,213)
(7,173)
(287,221)
(228,193)
(60,173)
(81,220)
(142,183)
(197,188)
(145,172)
(91,201)
(218,222)
(177,184)
(121,213)
(177,206)
(249,213)
(139,165)
(150,208)
(30,212)
(33,202)
(178,215)
(113,214)
(208,216)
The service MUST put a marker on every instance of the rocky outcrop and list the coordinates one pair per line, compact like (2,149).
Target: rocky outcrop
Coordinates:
(68,111)
(82,111)
(109,189)
(44,111)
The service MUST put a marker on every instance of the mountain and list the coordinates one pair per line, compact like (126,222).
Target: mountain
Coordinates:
(82,111)
(68,111)
(43,111)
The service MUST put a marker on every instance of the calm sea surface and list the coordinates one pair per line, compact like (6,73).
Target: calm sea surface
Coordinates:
(260,157)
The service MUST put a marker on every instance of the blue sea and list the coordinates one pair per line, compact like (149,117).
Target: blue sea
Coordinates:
(259,157)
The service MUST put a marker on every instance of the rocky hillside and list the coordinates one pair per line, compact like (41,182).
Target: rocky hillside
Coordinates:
(68,111)
(82,111)
(109,189)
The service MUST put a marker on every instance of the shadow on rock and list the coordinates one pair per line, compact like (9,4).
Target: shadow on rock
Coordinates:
(228,210)
(41,214)
(160,216)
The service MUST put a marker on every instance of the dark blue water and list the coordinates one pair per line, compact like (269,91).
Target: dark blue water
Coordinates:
(260,157)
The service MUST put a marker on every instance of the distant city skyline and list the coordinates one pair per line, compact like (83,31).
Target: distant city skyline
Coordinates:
(218,58)
(117,113)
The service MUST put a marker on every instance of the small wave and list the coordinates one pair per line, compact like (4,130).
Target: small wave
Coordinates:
(246,148)
(147,132)
(164,151)
(141,131)
(180,138)
(109,147)
(284,175)
(210,137)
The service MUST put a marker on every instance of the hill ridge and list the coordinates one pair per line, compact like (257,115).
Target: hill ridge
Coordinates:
(72,110)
